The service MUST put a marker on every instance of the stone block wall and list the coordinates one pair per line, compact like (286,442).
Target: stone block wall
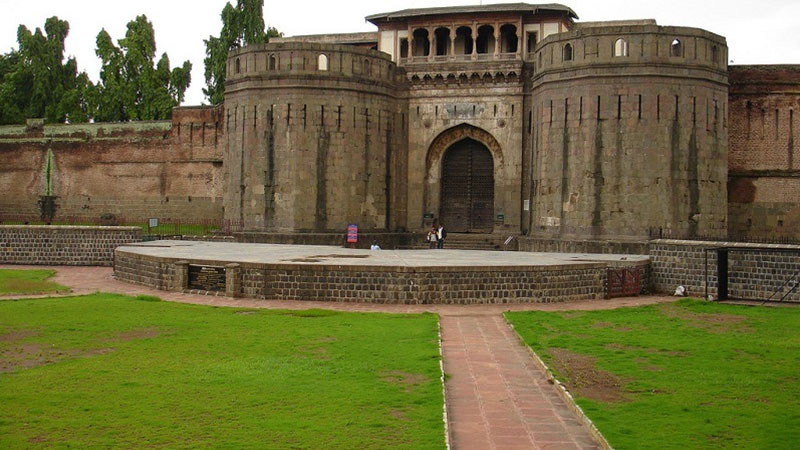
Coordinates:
(432,286)
(379,284)
(63,245)
(755,271)
(531,244)
(147,271)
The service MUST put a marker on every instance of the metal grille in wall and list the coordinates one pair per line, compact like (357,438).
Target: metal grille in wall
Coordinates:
(468,188)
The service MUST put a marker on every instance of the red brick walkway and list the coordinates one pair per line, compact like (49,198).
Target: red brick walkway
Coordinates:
(497,398)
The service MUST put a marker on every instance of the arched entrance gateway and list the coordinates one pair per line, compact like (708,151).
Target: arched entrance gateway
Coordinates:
(467,196)
(462,165)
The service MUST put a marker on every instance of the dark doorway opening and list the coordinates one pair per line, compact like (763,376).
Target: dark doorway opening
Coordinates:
(467,202)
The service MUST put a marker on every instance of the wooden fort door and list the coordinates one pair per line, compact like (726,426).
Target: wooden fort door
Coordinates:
(467,188)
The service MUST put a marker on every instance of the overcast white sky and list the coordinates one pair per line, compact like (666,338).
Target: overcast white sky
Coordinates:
(765,32)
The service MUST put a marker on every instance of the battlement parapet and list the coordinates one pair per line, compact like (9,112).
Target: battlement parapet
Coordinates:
(636,49)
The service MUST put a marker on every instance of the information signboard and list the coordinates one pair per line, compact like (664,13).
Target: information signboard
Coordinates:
(352,233)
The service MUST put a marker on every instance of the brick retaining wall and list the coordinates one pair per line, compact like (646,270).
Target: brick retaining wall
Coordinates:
(63,245)
(753,274)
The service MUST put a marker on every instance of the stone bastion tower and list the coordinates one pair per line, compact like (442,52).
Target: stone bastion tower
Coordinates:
(629,132)
(316,138)
(507,118)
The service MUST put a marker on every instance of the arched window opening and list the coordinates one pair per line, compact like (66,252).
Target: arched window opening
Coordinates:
(322,62)
(272,62)
(620,47)
(676,49)
(404,48)
(463,41)
(485,41)
(238,66)
(568,52)
(442,36)
(422,44)
(508,38)
(714,54)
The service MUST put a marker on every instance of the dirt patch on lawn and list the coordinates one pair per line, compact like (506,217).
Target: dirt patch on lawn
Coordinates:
(318,349)
(139,333)
(29,355)
(611,325)
(407,380)
(320,353)
(584,378)
(713,323)
(644,364)
(632,348)
(17,335)
(399,414)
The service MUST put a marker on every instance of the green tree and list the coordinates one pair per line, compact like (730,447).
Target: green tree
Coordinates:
(35,81)
(241,25)
(131,87)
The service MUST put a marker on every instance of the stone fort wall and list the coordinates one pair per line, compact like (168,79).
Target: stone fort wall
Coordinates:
(591,147)
(627,142)
(764,162)
(316,138)
(166,169)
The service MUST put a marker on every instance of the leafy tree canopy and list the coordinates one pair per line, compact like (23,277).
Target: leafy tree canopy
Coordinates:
(35,81)
(241,25)
(131,86)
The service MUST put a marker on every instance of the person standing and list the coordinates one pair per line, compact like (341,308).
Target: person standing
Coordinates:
(441,234)
(432,237)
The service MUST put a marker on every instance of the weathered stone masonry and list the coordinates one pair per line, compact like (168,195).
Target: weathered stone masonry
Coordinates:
(132,171)
(582,132)
(63,245)
(754,274)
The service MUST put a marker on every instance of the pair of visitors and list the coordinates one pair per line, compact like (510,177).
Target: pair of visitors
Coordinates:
(433,238)
(375,245)
(441,234)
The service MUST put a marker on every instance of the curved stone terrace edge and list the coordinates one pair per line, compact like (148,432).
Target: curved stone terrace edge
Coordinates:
(298,272)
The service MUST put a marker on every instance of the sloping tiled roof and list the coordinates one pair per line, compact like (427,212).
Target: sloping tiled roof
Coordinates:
(500,7)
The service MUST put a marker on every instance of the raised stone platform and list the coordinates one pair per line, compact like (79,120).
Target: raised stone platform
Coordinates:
(296,272)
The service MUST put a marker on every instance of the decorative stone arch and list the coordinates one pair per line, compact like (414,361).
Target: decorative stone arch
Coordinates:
(452,135)
(435,157)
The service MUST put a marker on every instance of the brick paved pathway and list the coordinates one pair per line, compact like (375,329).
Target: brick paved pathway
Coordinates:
(497,398)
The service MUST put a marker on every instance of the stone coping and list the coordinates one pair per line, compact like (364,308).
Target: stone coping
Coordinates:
(716,244)
(326,258)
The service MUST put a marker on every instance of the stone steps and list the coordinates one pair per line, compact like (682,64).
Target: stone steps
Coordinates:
(465,241)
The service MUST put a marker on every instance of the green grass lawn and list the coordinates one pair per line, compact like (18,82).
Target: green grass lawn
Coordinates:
(13,281)
(691,374)
(163,229)
(106,370)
